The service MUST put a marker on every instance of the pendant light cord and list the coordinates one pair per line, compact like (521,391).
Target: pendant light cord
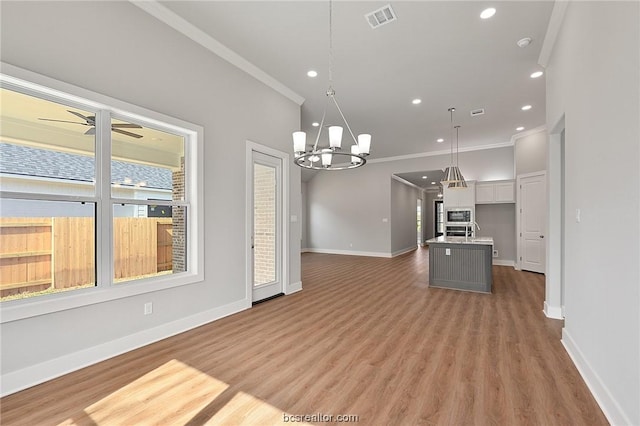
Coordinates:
(451,111)
(330,44)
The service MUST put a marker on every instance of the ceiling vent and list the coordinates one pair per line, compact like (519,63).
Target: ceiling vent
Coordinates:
(382,16)
(476,112)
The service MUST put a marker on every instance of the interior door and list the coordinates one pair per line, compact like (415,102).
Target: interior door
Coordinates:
(266,232)
(532,222)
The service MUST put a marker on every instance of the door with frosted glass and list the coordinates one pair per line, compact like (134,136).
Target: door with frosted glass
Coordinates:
(266,235)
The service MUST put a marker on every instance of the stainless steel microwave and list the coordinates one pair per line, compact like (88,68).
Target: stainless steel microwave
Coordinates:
(460,215)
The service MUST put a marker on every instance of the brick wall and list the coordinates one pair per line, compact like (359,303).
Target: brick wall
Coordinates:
(179,229)
(264,208)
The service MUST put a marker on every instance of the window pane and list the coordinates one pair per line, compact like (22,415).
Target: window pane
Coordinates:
(45,247)
(146,245)
(45,147)
(264,224)
(146,164)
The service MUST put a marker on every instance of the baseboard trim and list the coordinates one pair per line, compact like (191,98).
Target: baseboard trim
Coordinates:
(293,288)
(305,250)
(349,252)
(403,251)
(501,262)
(553,312)
(25,378)
(610,407)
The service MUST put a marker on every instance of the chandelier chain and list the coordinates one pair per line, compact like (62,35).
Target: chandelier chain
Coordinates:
(330,44)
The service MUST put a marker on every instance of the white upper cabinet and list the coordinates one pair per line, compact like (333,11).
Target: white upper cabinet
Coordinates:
(496,192)
(460,197)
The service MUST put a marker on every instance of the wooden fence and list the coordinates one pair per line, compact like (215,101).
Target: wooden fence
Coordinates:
(59,253)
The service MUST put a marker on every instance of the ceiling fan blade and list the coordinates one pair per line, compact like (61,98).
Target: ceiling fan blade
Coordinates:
(90,120)
(127,125)
(123,132)
(91,131)
(62,121)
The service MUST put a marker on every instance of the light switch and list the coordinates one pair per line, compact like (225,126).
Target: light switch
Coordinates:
(577,215)
(384,219)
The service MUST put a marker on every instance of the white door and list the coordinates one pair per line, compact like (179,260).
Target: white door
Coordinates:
(266,229)
(533,207)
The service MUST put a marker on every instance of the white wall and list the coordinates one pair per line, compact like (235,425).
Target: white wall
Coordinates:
(347,209)
(531,152)
(404,219)
(592,81)
(499,221)
(116,49)
(304,216)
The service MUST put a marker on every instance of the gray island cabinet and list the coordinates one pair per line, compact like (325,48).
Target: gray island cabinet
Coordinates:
(461,263)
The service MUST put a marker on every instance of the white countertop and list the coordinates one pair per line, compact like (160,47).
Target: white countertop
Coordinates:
(488,241)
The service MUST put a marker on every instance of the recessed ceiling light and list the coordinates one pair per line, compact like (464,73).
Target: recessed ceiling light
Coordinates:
(519,129)
(416,101)
(315,124)
(424,177)
(312,73)
(536,74)
(440,140)
(433,183)
(526,108)
(524,42)
(488,13)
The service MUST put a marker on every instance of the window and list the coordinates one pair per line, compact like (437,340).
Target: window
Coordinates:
(93,198)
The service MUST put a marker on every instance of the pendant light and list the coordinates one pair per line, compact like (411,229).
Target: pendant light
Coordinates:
(452,173)
(461,183)
(318,158)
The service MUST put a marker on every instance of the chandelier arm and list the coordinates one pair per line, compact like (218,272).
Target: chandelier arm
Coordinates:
(315,145)
(344,119)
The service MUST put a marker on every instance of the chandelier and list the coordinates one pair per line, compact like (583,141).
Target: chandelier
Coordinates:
(452,174)
(331,157)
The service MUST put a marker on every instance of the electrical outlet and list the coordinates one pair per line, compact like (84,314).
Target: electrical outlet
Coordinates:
(148,308)
(495,253)
(447,252)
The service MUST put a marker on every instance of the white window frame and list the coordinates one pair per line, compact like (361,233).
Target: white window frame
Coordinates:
(105,107)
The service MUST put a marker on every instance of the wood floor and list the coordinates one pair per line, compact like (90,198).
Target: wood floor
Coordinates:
(366,337)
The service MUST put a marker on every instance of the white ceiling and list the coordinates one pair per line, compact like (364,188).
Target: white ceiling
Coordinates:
(441,52)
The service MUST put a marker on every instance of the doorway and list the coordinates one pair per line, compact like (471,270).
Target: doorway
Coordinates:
(438,218)
(419,221)
(266,227)
(532,207)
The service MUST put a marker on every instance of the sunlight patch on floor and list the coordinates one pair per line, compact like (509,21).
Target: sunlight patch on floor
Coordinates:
(245,409)
(174,387)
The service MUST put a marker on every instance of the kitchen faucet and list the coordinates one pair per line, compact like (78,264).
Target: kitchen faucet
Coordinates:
(469,227)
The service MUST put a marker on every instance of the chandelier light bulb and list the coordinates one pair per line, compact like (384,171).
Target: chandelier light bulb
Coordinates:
(335,136)
(364,142)
(299,141)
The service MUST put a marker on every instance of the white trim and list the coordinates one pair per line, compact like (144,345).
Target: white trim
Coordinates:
(529,132)
(553,28)
(406,182)
(349,252)
(504,262)
(293,288)
(436,153)
(48,88)
(284,219)
(403,251)
(15,381)
(610,407)
(184,27)
(554,312)
(305,250)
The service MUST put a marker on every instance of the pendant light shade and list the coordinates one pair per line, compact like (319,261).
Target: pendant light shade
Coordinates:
(452,175)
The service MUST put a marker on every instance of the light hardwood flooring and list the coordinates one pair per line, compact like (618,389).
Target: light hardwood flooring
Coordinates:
(366,337)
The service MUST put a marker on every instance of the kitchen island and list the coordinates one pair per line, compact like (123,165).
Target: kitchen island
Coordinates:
(461,263)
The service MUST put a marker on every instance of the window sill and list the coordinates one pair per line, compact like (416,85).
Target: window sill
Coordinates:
(42,305)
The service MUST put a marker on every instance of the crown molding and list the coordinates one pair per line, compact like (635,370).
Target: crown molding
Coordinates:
(526,133)
(555,23)
(166,16)
(443,152)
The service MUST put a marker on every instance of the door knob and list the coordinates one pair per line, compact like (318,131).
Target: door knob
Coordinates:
(541,236)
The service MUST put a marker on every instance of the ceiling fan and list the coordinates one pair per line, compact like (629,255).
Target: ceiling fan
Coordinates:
(91,121)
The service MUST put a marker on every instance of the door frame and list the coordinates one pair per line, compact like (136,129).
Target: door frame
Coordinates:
(542,173)
(284,219)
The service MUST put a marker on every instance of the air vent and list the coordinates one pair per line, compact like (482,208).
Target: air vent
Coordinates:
(476,112)
(382,16)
